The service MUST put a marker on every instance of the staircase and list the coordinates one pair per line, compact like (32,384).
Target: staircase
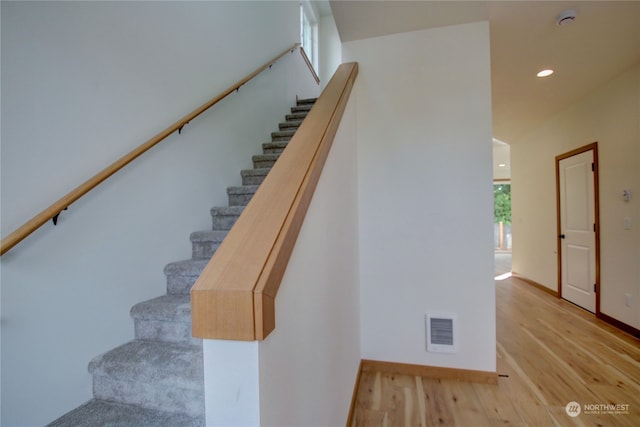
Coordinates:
(157,379)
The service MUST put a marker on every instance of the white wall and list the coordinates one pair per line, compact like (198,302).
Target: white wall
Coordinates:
(425,192)
(232,383)
(309,363)
(610,116)
(317,316)
(330,55)
(82,84)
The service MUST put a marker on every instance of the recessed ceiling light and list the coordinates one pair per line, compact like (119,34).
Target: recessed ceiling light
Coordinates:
(501,165)
(544,73)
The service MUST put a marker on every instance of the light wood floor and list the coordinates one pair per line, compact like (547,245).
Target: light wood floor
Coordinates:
(550,353)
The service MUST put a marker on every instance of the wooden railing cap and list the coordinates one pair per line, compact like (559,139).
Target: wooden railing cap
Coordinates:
(234,297)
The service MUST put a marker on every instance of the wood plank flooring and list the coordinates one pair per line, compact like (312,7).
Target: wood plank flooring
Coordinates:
(550,352)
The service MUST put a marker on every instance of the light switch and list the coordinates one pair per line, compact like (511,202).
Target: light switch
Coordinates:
(627,223)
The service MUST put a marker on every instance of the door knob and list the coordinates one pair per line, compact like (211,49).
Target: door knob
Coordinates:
(561,236)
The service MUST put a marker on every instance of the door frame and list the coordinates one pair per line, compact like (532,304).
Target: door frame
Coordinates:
(593,146)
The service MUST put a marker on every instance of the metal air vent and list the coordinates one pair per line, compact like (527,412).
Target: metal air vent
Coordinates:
(441,332)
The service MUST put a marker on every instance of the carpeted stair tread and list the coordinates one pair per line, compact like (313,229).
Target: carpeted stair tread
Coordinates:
(296,116)
(181,275)
(274,147)
(242,189)
(187,267)
(306,101)
(166,318)
(152,374)
(292,124)
(301,108)
(262,161)
(224,217)
(241,195)
(254,176)
(227,210)
(205,243)
(111,414)
(165,307)
(180,364)
(283,135)
(271,157)
(208,235)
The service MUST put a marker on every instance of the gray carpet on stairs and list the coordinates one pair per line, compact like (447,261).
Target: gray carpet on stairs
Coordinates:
(108,414)
(158,378)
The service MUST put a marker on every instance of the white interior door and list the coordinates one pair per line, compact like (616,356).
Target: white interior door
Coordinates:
(577,224)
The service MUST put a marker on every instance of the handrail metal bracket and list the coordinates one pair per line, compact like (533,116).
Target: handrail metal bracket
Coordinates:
(55,217)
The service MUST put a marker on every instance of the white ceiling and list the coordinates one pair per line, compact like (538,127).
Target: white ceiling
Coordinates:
(602,42)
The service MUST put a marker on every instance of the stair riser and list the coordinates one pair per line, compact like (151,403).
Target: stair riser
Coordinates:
(203,250)
(281,138)
(306,101)
(182,275)
(166,319)
(269,148)
(224,222)
(258,164)
(254,176)
(273,150)
(253,179)
(240,199)
(179,284)
(296,116)
(149,395)
(290,125)
(301,109)
(165,331)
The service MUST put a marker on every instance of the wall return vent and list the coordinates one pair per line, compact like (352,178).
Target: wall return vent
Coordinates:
(441,333)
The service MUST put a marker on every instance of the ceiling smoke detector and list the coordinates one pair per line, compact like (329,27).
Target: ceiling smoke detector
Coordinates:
(566,17)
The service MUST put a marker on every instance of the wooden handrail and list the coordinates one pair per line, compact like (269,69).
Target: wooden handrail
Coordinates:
(54,210)
(310,65)
(234,296)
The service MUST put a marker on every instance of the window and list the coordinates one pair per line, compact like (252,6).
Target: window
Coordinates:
(309,32)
